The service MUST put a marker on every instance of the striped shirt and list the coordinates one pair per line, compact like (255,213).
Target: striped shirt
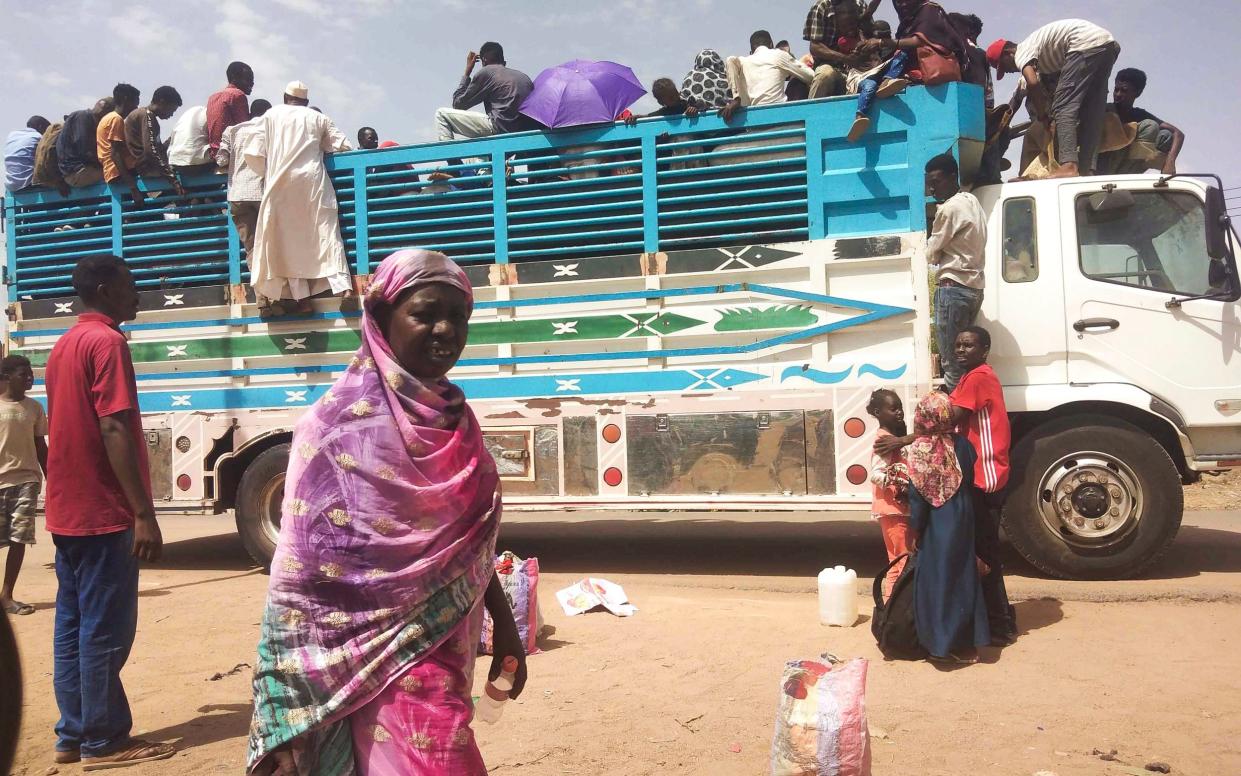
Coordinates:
(987,427)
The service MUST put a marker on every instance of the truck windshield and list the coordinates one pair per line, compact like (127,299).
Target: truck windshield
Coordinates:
(1158,242)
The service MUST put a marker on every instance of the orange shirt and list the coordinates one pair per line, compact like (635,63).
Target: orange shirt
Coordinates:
(112,127)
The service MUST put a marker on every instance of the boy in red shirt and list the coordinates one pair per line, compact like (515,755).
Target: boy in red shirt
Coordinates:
(101,518)
(978,408)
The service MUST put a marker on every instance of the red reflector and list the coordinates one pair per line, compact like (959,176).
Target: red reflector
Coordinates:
(184,482)
(856,474)
(613,477)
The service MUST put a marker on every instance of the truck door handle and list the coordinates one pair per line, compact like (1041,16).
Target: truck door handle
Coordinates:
(1087,324)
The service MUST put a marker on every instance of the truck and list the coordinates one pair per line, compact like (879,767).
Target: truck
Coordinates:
(689,314)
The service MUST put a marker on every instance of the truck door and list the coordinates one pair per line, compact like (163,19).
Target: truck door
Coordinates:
(1136,248)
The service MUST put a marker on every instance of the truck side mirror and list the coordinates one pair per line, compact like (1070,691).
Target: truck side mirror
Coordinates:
(1216,224)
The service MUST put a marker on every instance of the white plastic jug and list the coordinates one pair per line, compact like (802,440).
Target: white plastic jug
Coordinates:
(838,596)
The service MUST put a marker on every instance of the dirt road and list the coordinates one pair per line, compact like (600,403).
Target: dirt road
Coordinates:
(1151,667)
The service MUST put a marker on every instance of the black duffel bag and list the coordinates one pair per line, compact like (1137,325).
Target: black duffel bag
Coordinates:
(893,623)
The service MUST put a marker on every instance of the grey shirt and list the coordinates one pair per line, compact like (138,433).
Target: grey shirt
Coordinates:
(501,90)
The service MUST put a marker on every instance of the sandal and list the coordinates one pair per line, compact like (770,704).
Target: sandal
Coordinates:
(860,125)
(891,87)
(954,660)
(134,751)
(17,607)
(66,756)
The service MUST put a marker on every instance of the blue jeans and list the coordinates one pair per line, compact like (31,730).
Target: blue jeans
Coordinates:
(956,307)
(866,90)
(96,618)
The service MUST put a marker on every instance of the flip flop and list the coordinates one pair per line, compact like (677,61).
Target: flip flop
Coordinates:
(135,751)
(953,660)
(17,607)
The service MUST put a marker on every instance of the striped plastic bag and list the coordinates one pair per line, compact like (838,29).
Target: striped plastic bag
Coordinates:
(821,720)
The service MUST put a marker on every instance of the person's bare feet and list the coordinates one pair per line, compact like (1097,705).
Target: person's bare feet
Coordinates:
(1065,171)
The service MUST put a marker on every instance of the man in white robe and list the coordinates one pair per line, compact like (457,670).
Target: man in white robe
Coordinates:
(298,250)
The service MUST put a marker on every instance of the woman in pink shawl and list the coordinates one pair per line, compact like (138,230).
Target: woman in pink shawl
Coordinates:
(386,553)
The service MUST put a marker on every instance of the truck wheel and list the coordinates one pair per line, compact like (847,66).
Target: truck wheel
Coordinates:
(1092,498)
(259,498)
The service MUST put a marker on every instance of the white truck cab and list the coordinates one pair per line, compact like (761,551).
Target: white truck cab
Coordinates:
(1113,308)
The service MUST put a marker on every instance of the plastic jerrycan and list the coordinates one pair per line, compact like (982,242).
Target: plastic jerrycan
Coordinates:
(838,596)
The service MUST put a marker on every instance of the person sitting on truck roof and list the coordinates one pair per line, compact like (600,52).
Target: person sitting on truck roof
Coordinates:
(873,68)
(142,136)
(77,148)
(368,138)
(230,105)
(499,88)
(115,154)
(921,22)
(189,150)
(671,103)
(245,184)
(47,163)
(1158,143)
(758,79)
(957,245)
(298,251)
(1079,56)
(821,32)
(19,150)
(705,86)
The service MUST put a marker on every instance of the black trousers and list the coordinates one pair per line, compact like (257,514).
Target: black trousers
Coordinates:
(1000,614)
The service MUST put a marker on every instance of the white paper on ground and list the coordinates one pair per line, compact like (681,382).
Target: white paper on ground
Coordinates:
(592,592)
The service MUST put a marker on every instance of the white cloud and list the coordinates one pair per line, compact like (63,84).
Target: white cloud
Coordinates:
(48,78)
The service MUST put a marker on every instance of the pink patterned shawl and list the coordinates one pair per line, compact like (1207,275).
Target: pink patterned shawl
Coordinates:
(387,538)
(933,466)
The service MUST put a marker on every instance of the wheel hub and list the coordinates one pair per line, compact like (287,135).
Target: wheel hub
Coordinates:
(1090,499)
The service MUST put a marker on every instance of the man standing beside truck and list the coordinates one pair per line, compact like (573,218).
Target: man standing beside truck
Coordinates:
(101,518)
(957,246)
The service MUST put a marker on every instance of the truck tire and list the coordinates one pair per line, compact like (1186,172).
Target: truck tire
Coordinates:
(1092,497)
(259,498)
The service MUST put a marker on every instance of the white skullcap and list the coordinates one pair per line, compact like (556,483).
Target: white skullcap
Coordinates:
(297,89)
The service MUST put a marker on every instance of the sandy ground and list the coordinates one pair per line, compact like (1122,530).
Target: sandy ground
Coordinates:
(1150,667)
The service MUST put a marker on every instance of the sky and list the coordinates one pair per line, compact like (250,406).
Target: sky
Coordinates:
(390,64)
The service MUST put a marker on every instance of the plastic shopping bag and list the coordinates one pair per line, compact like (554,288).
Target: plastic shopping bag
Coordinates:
(821,720)
(520,580)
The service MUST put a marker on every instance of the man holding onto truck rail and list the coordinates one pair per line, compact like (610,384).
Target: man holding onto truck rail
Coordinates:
(1078,57)
(101,518)
(759,79)
(957,246)
(142,136)
(245,184)
(298,250)
(117,158)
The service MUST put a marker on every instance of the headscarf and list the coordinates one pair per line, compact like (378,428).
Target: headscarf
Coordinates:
(933,466)
(931,21)
(706,85)
(387,536)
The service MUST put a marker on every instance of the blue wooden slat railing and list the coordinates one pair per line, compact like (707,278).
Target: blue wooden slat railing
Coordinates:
(777,173)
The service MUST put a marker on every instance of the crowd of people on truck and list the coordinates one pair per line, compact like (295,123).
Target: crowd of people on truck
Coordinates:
(275,155)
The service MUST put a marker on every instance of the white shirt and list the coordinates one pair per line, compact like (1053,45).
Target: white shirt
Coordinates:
(244,183)
(1052,43)
(958,241)
(765,72)
(187,145)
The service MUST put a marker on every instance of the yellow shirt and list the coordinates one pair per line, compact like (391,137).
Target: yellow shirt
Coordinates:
(112,127)
(20,422)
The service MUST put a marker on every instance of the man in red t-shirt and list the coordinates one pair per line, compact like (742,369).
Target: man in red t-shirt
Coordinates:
(101,518)
(230,105)
(981,417)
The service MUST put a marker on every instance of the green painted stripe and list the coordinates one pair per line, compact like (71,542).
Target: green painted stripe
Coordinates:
(567,328)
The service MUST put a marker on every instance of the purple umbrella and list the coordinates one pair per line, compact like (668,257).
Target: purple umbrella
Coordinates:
(582,92)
